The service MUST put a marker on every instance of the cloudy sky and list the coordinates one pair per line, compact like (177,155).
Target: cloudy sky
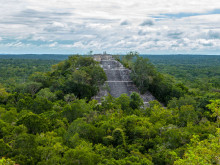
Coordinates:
(115,26)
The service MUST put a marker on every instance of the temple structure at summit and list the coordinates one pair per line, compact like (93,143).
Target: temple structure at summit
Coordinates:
(118,79)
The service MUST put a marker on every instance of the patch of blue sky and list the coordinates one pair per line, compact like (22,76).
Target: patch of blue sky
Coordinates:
(5,41)
(33,42)
(181,15)
(66,41)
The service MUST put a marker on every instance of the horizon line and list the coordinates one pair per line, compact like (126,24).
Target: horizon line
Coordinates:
(100,54)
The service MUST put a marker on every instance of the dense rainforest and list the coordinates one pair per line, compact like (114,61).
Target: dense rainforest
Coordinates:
(14,71)
(196,71)
(49,118)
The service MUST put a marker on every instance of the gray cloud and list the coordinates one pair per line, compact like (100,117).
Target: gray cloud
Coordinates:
(32,17)
(99,20)
(40,14)
(214,34)
(124,23)
(142,33)
(147,22)
(81,25)
(175,34)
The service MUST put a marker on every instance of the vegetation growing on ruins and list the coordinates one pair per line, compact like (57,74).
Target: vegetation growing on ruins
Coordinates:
(50,119)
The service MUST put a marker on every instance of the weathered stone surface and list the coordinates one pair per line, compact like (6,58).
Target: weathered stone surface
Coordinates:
(118,79)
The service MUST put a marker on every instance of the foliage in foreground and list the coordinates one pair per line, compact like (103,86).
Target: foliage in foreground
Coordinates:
(111,133)
(47,122)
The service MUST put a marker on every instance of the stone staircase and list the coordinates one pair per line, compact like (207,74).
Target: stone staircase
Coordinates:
(118,80)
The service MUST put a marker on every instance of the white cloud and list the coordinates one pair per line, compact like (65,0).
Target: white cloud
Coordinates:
(55,26)
(111,25)
(53,44)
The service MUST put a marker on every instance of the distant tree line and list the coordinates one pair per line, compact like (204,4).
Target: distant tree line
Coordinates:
(50,119)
